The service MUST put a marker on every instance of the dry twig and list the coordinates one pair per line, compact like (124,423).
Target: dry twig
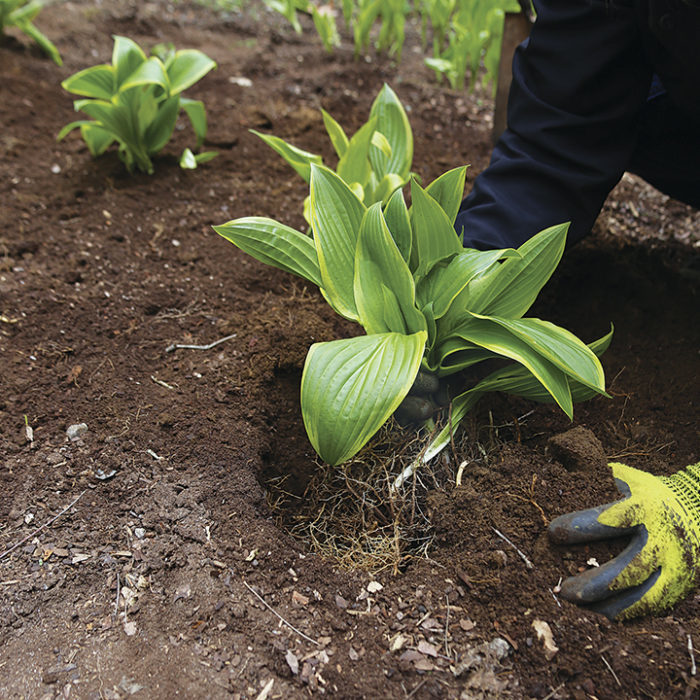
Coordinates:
(528,563)
(610,668)
(179,346)
(42,527)
(274,612)
(693,667)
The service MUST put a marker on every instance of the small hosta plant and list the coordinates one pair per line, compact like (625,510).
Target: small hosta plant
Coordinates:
(374,162)
(135,102)
(21,14)
(423,300)
(466,35)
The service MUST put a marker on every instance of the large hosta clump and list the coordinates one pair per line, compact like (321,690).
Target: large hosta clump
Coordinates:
(423,300)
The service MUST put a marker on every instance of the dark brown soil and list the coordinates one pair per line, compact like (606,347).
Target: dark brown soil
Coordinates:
(152,583)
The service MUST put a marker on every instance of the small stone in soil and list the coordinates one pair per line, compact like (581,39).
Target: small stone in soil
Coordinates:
(76,431)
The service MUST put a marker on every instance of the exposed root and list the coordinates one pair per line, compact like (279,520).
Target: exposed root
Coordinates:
(353,514)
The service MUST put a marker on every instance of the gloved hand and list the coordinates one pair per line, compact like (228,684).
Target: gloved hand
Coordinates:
(661,563)
(418,406)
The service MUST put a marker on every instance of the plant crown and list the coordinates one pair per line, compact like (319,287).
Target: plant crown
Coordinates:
(375,162)
(136,100)
(20,14)
(423,300)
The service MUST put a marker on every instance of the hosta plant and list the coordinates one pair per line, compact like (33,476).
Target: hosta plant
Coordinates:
(20,14)
(423,300)
(374,162)
(135,102)
(466,35)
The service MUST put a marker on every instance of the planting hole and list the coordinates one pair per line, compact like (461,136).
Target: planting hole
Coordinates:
(351,512)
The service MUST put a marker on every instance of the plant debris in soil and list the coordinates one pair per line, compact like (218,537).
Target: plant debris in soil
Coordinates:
(145,546)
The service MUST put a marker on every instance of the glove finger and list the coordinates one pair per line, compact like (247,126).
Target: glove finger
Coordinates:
(583,526)
(618,606)
(593,585)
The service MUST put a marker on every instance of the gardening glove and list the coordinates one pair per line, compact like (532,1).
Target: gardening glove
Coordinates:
(661,563)
(418,406)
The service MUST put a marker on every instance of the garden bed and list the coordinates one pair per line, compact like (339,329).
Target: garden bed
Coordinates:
(185,564)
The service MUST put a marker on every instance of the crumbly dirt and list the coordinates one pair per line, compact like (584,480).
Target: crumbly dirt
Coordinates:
(174,567)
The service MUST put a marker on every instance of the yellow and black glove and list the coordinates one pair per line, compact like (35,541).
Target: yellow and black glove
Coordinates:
(660,565)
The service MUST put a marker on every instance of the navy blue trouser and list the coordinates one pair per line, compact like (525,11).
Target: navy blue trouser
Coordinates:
(580,115)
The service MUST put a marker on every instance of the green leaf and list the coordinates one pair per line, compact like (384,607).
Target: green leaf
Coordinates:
(399,223)
(194,109)
(205,156)
(127,56)
(186,68)
(336,216)
(498,339)
(393,124)
(113,117)
(461,405)
(146,111)
(97,81)
(349,389)
(454,355)
(187,160)
(434,237)
(387,186)
(69,127)
(324,21)
(519,381)
(98,140)
(161,128)
(383,285)
(354,166)
(445,281)
(150,72)
(562,348)
(336,134)
(274,244)
(42,40)
(299,159)
(364,21)
(510,289)
(20,11)
(380,141)
(448,191)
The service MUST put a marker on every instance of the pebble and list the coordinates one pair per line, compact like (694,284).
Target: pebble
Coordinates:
(139,532)
(76,431)
(499,647)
